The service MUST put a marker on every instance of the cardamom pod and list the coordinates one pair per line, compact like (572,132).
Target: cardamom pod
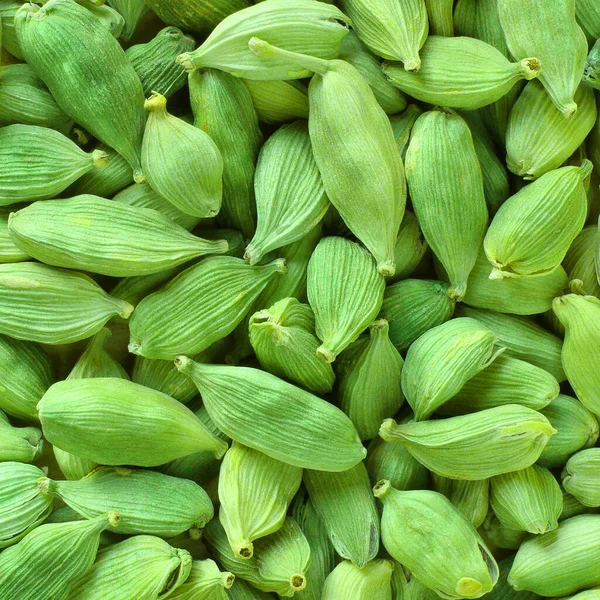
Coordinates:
(580,477)
(205,582)
(502,590)
(278,101)
(497,535)
(405,586)
(440,17)
(132,11)
(106,15)
(9,253)
(372,582)
(579,261)
(471,498)
(23,444)
(410,244)
(10,42)
(244,591)
(73,467)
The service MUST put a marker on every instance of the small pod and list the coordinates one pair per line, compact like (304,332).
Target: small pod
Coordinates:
(405,586)
(410,244)
(580,477)
(278,101)
(471,498)
(241,590)
(22,444)
(205,582)
(9,253)
(402,125)
(132,11)
(372,582)
(502,590)
(581,259)
(588,16)
(500,536)
(572,507)
(477,446)
(441,21)
(345,291)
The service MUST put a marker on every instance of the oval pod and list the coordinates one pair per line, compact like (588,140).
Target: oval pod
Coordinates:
(372,582)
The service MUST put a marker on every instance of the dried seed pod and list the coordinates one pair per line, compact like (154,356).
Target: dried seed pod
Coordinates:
(23,444)
(441,21)
(278,101)
(580,476)
(471,498)
(9,253)
(205,582)
(410,244)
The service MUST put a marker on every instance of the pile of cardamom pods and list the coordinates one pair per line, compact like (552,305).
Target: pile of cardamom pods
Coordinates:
(299,298)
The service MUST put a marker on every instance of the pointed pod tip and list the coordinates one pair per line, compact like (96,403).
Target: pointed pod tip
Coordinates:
(298,582)
(135,348)
(228,579)
(244,550)
(326,354)
(382,488)
(467,587)
(114,518)
(386,429)
(530,67)
(155,102)
(186,61)
(412,65)
(387,268)
(182,363)
(126,310)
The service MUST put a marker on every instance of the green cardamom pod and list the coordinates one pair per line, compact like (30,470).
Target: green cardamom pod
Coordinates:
(23,444)
(205,582)
(424,532)
(53,306)
(580,476)
(410,245)
(92,60)
(591,72)
(9,253)
(255,491)
(471,498)
(441,151)
(402,125)
(95,419)
(502,590)
(242,401)
(132,11)
(476,446)
(372,582)
(290,198)
(461,72)
(369,374)
(560,45)
(405,586)
(8,9)
(572,507)
(73,467)
(499,536)
(106,15)
(244,591)
(278,101)
(588,16)
(580,258)
(345,292)
(440,17)
(284,341)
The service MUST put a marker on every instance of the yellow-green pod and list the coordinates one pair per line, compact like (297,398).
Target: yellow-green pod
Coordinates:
(345,291)
(424,532)
(199,306)
(560,45)
(145,567)
(278,101)
(284,341)
(580,476)
(442,360)
(580,259)
(73,467)
(23,503)
(441,152)
(402,125)
(560,562)
(132,11)
(576,428)
(580,316)
(241,401)
(522,338)
(9,253)
(96,419)
(372,582)
(205,582)
(393,30)
(369,373)
(529,499)
(22,444)
(181,162)
(279,563)
(290,198)
(471,498)
(507,380)
(499,536)
(93,60)
(410,247)
(476,446)
(441,21)
(56,555)
(241,590)
(53,306)
(222,108)
(255,491)
(461,72)
(414,306)
(539,138)
(38,163)
(347,509)
(316,29)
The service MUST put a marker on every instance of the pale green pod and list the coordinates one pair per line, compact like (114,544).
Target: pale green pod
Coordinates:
(413,307)
(499,536)
(369,373)
(148,502)
(580,259)
(222,108)
(284,341)
(507,380)
(241,590)
(143,196)
(372,582)
(181,162)
(22,444)
(572,507)
(402,125)
(255,491)
(580,476)
(93,60)
(345,292)
(347,509)
(502,590)
(405,586)
(71,466)
(357,54)
(9,253)
(576,428)
(146,567)
(560,45)
(53,306)
(25,99)
(522,339)
(105,237)
(393,30)
(471,498)
(580,316)
(95,361)
(23,504)
(424,532)
(440,17)
(560,562)
(56,555)
(461,72)
(152,431)
(205,582)
(132,11)
(299,26)
(529,499)
(154,61)
(539,138)
(410,245)
(242,401)
(278,101)
(38,163)
(135,289)
(442,360)
(199,306)
(26,375)
(440,153)
(279,563)
(290,198)
(476,446)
